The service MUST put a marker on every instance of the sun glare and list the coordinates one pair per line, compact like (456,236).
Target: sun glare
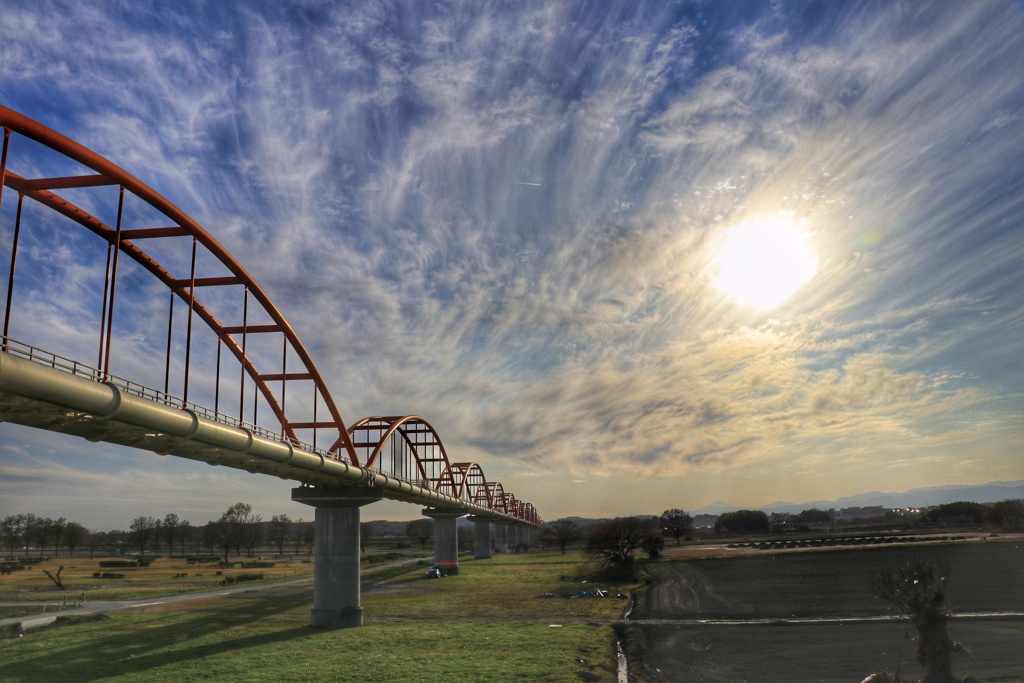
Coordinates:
(764,262)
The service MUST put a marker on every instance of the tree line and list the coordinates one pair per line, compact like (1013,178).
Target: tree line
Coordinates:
(238,529)
(616,541)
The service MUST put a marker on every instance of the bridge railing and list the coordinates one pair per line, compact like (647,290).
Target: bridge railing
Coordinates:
(79,369)
(459,489)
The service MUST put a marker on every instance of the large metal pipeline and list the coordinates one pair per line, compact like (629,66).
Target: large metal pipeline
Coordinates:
(106,401)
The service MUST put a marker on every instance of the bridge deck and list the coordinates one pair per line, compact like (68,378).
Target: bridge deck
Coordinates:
(51,398)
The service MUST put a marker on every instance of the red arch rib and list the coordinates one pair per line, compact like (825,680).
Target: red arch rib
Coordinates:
(464,481)
(109,173)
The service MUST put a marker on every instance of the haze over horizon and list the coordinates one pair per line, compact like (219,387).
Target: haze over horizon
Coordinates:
(626,256)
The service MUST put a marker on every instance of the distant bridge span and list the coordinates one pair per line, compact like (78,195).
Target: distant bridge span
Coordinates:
(399,458)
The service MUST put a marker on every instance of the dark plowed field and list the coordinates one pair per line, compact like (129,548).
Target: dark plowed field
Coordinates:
(666,642)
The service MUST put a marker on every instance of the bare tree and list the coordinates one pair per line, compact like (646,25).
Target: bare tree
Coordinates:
(420,530)
(303,534)
(170,530)
(280,529)
(615,541)
(253,534)
(653,544)
(32,531)
(50,531)
(365,535)
(676,523)
(12,529)
(188,535)
(918,590)
(56,532)
(308,537)
(74,536)
(1007,514)
(55,577)
(143,529)
(93,539)
(563,532)
(229,531)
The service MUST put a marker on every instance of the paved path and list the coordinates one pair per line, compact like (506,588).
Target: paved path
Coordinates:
(91,607)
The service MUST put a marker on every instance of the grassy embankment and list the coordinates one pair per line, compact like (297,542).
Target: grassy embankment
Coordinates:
(487,624)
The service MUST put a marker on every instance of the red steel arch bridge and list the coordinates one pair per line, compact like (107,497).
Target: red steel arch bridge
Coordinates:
(232,358)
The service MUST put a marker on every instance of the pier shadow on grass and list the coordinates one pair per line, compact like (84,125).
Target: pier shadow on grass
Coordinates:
(134,642)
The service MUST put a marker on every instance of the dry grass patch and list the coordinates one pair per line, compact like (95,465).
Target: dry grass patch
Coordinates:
(82,576)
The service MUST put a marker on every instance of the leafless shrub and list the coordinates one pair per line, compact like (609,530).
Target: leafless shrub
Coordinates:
(917,589)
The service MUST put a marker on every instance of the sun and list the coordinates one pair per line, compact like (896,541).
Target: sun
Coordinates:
(764,262)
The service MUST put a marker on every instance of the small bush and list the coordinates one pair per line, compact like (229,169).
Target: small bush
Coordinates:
(228,580)
(742,522)
(118,563)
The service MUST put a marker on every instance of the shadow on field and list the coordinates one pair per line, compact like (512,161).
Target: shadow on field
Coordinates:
(119,646)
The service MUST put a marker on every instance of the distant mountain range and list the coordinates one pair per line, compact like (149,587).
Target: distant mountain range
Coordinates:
(923,497)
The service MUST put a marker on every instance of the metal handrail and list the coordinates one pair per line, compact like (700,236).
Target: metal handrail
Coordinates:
(70,366)
(79,369)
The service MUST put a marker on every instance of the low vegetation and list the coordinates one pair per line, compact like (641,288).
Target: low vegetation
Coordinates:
(615,542)
(494,621)
(82,578)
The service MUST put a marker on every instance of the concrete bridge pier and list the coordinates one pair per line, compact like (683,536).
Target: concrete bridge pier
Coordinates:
(501,537)
(482,537)
(446,538)
(336,552)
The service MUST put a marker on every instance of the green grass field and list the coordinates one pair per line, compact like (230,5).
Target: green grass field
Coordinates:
(486,624)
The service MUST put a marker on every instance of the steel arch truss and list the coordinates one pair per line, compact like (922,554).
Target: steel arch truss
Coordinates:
(466,481)
(232,305)
(496,494)
(231,325)
(406,448)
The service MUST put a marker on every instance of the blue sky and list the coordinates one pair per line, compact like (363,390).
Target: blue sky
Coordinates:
(506,217)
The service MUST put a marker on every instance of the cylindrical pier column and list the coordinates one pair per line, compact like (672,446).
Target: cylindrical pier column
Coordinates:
(336,553)
(501,537)
(482,536)
(446,538)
